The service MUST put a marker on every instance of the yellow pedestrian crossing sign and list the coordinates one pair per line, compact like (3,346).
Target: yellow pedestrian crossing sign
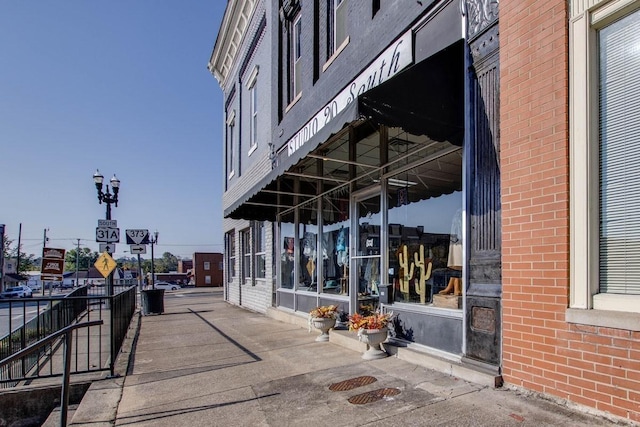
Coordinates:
(105,264)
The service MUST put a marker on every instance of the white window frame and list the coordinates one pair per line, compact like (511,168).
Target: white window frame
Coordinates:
(231,124)
(252,86)
(207,280)
(586,304)
(207,265)
(260,247)
(295,35)
(335,49)
(245,248)
(231,255)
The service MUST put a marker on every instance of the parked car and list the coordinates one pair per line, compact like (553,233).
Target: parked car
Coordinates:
(35,286)
(20,291)
(167,286)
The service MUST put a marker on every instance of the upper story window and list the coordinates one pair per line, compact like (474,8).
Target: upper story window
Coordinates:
(605,162)
(336,26)
(295,55)
(231,125)
(207,265)
(252,85)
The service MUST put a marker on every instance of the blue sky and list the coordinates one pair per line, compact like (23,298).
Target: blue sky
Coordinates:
(121,86)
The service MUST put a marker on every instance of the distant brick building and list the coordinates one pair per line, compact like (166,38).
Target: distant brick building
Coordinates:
(207,269)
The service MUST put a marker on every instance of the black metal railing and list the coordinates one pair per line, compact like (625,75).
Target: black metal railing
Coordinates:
(40,317)
(66,336)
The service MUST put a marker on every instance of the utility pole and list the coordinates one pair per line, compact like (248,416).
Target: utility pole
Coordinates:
(44,245)
(2,257)
(18,260)
(77,257)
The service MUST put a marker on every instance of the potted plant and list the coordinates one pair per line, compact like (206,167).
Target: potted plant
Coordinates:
(372,330)
(323,318)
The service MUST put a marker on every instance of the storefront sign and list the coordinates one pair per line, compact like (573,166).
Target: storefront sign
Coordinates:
(395,58)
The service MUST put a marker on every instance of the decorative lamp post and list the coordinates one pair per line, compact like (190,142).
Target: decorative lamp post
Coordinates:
(107,198)
(153,240)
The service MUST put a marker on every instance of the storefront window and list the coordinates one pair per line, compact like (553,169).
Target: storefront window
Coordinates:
(335,244)
(308,233)
(425,232)
(287,251)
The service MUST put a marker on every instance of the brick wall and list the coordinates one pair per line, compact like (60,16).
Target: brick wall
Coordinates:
(254,295)
(596,367)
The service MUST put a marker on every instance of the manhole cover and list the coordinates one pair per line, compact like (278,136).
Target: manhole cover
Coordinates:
(352,383)
(372,396)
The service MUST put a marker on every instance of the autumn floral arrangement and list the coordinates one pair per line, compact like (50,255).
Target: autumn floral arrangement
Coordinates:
(323,312)
(358,322)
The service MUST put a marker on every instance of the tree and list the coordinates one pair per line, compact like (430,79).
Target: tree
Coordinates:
(27,262)
(86,259)
(167,263)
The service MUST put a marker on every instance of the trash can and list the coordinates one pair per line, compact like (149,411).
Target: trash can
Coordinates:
(386,293)
(152,301)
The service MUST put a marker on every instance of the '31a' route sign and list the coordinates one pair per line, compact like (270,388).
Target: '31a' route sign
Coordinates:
(107,235)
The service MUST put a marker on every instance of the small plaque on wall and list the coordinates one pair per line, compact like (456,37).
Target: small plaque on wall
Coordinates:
(483,319)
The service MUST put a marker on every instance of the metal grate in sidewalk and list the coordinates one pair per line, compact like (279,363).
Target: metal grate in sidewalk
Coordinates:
(373,396)
(352,383)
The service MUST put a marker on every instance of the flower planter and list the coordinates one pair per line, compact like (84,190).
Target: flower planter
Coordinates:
(323,324)
(373,338)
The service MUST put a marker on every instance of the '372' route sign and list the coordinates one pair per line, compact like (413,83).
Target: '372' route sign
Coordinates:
(107,235)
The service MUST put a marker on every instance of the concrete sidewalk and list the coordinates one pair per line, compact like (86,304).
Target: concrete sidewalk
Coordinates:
(207,363)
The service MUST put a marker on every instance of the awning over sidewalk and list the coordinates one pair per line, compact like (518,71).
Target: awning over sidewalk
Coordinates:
(425,99)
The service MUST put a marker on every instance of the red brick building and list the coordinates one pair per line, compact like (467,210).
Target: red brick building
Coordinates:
(207,269)
(565,333)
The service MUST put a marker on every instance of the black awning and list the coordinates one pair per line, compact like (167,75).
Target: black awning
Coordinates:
(425,99)
(13,277)
(264,206)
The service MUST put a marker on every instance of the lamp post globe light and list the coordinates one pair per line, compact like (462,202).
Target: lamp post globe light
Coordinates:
(106,197)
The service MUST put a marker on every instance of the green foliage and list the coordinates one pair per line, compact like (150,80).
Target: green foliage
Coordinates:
(86,259)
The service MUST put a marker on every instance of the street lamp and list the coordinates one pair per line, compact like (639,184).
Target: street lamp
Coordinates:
(107,197)
(153,240)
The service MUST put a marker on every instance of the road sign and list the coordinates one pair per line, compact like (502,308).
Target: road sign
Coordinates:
(105,264)
(52,264)
(53,253)
(138,249)
(107,235)
(50,278)
(108,223)
(107,247)
(137,237)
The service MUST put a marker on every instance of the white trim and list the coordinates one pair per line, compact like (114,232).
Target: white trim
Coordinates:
(231,174)
(583,166)
(335,54)
(293,102)
(253,77)
(231,118)
(253,148)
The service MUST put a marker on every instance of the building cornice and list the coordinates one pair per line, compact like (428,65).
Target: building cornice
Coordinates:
(235,22)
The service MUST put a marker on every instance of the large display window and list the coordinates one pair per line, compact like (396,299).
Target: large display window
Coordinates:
(377,208)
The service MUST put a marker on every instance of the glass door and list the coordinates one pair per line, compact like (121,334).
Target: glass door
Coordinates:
(365,249)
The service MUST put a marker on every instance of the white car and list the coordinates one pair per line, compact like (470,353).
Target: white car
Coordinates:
(167,286)
(19,291)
